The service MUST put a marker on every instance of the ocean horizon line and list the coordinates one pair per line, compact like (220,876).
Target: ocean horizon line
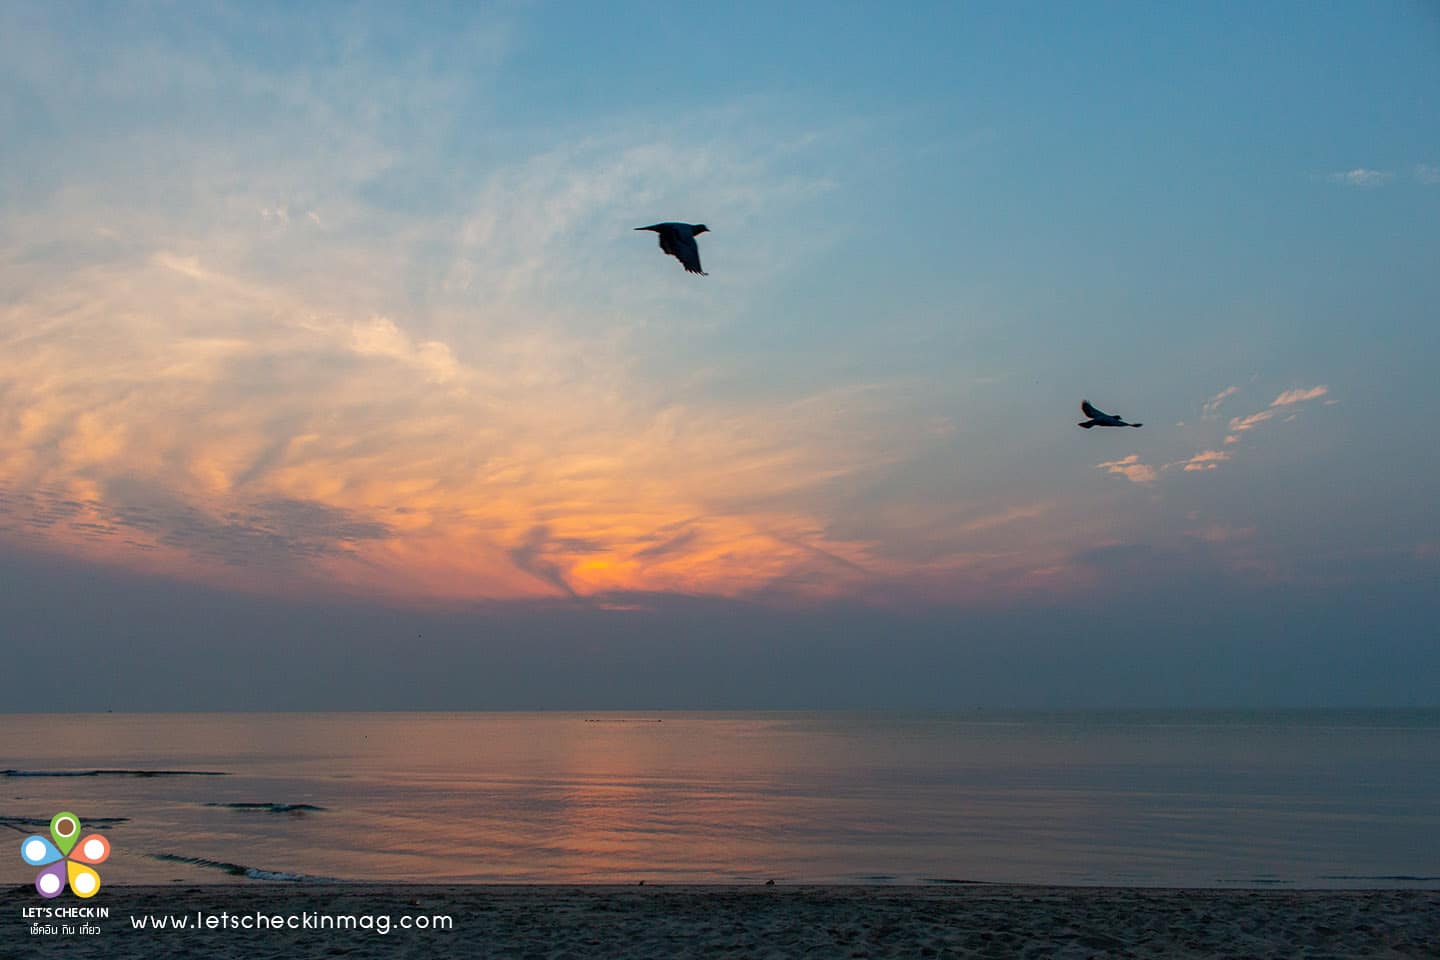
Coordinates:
(1056,711)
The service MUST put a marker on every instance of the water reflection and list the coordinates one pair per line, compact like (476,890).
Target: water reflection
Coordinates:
(1181,798)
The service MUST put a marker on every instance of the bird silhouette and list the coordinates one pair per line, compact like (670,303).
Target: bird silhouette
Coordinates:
(1099,418)
(678,240)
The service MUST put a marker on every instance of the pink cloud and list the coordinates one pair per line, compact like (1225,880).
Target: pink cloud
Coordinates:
(1241,424)
(1130,468)
(1205,460)
(1299,395)
(1212,406)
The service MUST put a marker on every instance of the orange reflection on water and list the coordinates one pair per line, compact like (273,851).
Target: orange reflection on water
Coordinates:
(1150,798)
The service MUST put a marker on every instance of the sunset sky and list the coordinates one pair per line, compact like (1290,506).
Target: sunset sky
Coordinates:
(333,373)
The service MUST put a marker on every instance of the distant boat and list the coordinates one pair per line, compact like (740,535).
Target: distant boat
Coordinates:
(1099,418)
(678,240)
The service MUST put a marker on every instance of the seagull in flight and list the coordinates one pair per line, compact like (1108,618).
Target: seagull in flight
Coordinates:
(678,240)
(1099,418)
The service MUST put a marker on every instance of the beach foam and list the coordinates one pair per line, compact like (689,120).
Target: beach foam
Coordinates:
(240,870)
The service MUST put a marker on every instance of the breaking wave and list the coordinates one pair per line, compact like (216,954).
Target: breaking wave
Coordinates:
(240,870)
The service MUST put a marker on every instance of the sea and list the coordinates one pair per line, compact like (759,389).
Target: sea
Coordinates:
(1314,799)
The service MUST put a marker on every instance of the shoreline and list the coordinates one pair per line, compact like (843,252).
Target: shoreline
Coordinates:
(681,920)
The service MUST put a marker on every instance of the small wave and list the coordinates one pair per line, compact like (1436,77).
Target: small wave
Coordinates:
(271,807)
(1397,878)
(111,773)
(240,870)
(99,823)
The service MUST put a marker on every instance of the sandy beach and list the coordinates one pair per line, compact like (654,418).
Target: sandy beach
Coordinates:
(555,922)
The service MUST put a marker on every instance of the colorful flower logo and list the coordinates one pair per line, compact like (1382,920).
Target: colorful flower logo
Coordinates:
(65,859)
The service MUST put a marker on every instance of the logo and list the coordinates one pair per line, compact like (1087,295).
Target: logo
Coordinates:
(65,859)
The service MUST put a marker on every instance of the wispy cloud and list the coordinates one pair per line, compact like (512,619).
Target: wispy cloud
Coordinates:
(459,401)
(465,405)
(531,556)
(1130,468)
(1299,395)
(1288,398)
(1361,177)
(1028,511)
(1212,406)
(1240,425)
(1206,460)
(198,417)
(379,337)
(1427,173)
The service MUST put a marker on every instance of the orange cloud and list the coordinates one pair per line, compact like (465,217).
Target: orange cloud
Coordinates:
(1241,424)
(1205,460)
(1299,395)
(1130,468)
(265,404)
(1212,406)
(1288,398)
(172,416)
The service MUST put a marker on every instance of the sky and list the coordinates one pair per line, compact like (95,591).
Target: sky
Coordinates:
(333,374)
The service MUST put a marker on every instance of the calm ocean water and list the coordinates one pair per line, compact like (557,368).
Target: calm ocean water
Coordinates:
(1223,799)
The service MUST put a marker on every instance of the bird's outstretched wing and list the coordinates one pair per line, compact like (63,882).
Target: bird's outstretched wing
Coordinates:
(686,250)
(678,240)
(1090,411)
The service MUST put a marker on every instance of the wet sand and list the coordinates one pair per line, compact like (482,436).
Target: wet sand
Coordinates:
(554,922)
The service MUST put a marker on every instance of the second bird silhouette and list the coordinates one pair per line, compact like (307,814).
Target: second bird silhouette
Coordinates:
(678,240)
(1099,418)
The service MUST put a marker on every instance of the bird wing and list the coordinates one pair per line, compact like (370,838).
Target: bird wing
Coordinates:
(686,250)
(1090,411)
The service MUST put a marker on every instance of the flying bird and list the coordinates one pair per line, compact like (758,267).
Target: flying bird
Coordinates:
(678,240)
(1099,418)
